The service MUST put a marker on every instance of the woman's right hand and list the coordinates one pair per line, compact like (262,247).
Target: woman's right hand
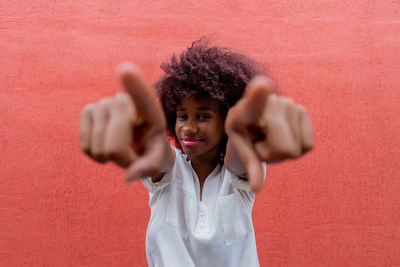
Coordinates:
(128,129)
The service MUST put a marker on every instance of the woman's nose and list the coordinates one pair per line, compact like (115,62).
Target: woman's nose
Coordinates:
(189,127)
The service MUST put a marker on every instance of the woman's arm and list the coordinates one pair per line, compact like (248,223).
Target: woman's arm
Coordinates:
(128,129)
(264,127)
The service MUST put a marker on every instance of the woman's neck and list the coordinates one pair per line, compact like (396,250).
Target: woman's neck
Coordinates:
(203,167)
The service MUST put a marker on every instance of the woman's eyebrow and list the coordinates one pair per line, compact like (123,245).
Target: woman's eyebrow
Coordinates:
(205,108)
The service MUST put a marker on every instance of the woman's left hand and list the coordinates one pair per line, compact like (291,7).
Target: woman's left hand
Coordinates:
(265,127)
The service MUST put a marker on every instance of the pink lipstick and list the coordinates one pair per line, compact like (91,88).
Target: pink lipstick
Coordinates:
(190,141)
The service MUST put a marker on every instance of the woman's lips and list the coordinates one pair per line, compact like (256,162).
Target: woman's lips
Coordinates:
(190,142)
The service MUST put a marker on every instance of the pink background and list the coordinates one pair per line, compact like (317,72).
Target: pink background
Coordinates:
(337,206)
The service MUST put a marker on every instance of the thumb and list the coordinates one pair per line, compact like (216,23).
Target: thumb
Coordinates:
(149,163)
(244,147)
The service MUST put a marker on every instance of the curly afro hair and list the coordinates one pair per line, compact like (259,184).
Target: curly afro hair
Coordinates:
(204,72)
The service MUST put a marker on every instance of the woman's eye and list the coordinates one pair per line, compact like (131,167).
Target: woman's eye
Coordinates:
(181,117)
(204,116)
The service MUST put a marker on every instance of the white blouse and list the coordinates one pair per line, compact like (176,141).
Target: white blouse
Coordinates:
(184,231)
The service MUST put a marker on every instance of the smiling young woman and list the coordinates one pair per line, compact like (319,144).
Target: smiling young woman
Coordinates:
(200,129)
(201,191)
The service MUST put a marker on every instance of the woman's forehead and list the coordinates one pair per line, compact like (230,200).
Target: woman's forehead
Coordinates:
(200,104)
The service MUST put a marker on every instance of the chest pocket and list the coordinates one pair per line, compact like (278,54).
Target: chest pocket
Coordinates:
(180,207)
(236,222)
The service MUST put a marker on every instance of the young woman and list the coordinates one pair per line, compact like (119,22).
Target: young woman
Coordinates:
(226,122)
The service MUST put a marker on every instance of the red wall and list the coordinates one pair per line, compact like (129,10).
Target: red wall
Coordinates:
(337,206)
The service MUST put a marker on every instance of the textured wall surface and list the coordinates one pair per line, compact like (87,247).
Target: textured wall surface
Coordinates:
(337,206)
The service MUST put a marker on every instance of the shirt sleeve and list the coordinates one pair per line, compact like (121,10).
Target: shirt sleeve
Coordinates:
(154,187)
(242,184)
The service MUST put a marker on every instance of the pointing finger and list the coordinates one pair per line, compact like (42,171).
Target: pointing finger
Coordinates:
(140,91)
(255,98)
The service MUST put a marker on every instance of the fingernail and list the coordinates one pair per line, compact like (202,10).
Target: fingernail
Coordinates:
(126,66)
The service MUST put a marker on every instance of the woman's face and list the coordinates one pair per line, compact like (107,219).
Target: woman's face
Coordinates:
(199,128)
